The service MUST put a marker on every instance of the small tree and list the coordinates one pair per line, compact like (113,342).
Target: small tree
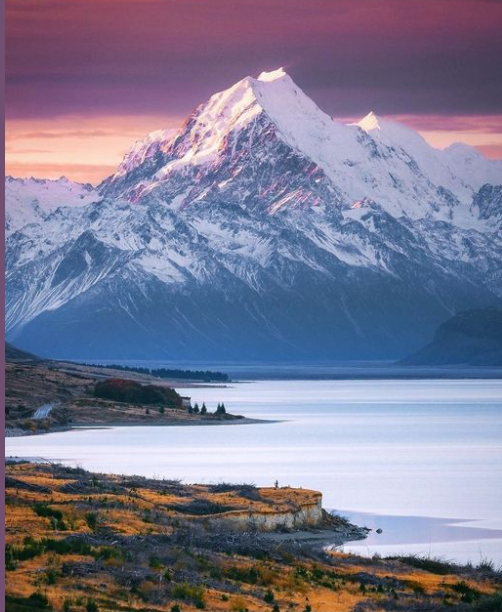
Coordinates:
(190,409)
(203,410)
(221,409)
(196,408)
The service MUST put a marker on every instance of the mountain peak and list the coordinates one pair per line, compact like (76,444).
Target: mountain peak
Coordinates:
(273,75)
(370,122)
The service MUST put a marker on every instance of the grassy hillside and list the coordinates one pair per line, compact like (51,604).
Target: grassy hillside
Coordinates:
(85,396)
(86,542)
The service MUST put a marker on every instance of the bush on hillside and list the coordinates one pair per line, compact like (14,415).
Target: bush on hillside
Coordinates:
(132,392)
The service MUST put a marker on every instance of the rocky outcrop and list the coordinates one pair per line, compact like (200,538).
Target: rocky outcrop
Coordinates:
(303,512)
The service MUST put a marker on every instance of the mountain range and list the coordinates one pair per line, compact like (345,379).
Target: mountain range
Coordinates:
(261,230)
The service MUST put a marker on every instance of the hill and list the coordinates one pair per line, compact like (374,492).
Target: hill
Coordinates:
(90,542)
(473,337)
(14,354)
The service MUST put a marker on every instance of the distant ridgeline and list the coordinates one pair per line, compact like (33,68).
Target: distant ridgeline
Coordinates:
(473,337)
(170,374)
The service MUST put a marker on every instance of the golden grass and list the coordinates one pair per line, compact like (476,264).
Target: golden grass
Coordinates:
(146,512)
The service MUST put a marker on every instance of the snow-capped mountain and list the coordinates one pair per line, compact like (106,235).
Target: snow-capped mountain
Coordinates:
(262,229)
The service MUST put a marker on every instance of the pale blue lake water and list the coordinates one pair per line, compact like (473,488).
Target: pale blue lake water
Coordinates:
(422,459)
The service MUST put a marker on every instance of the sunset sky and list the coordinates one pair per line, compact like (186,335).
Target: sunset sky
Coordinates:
(85,78)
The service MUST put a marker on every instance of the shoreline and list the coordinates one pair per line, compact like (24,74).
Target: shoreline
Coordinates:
(319,539)
(16,432)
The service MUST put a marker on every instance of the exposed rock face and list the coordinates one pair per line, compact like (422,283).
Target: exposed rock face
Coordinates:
(305,512)
(262,230)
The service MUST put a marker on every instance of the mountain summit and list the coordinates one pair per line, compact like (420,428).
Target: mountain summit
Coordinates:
(374,158)
(262,229)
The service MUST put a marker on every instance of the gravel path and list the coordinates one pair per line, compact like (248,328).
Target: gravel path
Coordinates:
(42,412)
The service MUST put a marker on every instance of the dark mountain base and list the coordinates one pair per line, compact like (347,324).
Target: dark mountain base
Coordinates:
(473,338)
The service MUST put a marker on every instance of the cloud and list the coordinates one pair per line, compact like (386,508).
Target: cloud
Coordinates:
(154,57)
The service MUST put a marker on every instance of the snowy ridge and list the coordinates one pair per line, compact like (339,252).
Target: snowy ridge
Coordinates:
(32,200)
(376,159)
(261,229)
(144,149)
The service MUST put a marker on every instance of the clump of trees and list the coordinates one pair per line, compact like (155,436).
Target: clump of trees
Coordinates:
(220,410)
(206,375)
(132,392)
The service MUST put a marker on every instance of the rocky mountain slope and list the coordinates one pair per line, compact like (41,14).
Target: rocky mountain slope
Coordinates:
(261,230)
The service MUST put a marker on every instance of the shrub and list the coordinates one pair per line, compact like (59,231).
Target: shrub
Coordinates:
(47,511)
(32,548)
(130,391)
(434,565)
(51,577)
(191,592)
(91,606)
(155,563)
(249,575)
(269,597)
(467,593)
(34,603)
(490,603)
(92,520)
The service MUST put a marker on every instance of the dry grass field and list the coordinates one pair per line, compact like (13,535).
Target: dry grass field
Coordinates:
(87,542)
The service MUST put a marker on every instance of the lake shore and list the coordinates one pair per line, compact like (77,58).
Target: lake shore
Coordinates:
(43,397)
(13,432)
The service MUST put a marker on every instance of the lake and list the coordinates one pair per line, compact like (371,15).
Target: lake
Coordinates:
(421,459)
